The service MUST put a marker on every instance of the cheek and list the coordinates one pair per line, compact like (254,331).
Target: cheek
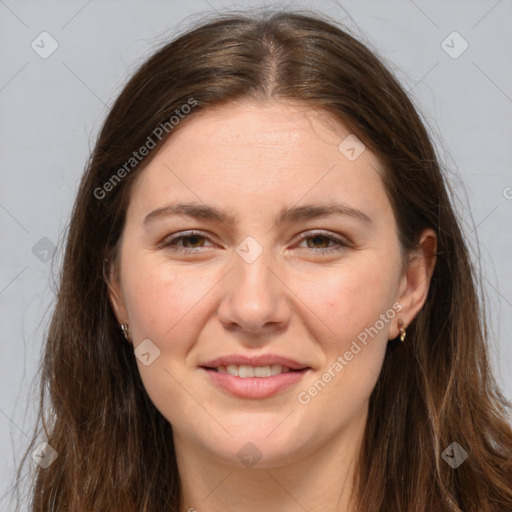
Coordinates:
(348,299)
(350,304)
(162,299)
(164,303)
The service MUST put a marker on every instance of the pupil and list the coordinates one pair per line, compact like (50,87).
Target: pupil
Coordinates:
(316,237)
(193,237)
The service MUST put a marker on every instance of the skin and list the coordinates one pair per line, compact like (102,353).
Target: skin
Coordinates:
(253,159)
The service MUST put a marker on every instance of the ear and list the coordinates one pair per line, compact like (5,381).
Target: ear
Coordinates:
(415,282)
(111,276)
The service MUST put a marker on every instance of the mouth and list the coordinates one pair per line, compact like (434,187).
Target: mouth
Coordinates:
(246,381)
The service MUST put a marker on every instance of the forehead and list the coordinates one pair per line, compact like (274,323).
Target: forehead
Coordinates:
(250,154)
(277,125)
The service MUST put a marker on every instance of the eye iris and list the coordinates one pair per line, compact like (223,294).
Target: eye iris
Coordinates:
(316,237)
(193,237)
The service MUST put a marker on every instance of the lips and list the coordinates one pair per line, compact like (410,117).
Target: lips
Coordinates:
(254,387)
(284,373)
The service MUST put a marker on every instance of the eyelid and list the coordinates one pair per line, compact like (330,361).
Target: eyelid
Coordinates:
(340,241)
(328,234)
(166,242)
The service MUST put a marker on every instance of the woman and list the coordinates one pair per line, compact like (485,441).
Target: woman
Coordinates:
(266,302)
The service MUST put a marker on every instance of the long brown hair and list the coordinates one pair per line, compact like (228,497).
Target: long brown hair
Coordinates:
(115,450)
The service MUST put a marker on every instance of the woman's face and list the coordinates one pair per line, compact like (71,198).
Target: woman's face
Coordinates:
(271,281)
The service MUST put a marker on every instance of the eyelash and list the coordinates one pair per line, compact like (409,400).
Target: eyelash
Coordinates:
(170,242)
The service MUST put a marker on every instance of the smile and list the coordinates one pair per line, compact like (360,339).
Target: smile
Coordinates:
(253,382)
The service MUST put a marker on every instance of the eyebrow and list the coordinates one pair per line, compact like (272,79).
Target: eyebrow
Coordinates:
(286,215)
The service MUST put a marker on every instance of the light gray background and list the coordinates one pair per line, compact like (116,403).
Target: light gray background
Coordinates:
(51,110)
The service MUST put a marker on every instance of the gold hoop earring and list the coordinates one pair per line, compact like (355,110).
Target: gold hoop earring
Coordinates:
(403,331)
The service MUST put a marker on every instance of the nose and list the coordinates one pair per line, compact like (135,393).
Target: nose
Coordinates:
(255,298)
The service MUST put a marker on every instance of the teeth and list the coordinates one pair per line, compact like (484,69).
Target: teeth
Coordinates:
(262,371)
(276,369)
(245,371)
(232,370)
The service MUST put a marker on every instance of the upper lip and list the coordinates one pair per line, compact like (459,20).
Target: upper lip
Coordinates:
(262,360)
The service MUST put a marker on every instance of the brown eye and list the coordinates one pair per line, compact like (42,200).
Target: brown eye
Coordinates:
(318,242)
(194,241)
(318,239)
(191,242)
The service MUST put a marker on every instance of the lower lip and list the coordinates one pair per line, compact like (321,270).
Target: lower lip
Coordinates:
(255,387)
